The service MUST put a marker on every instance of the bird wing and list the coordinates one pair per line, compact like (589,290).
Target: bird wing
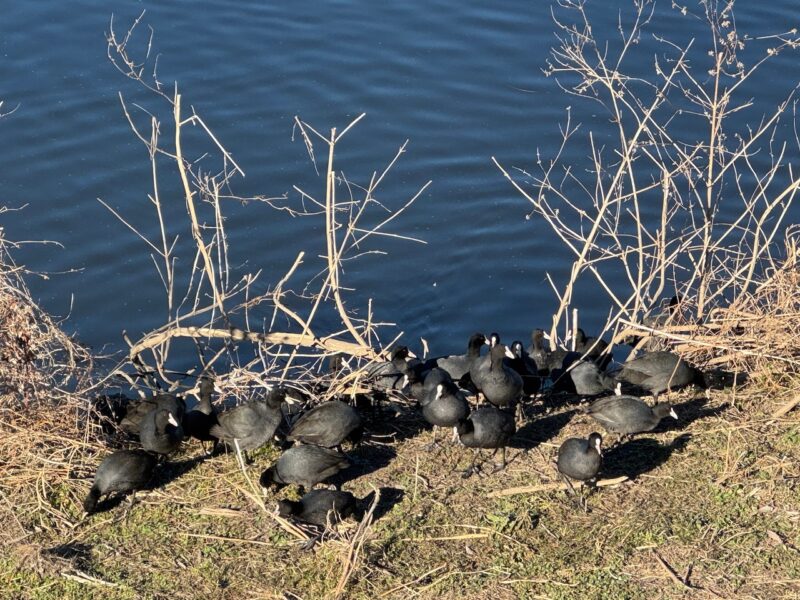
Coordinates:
(237,423)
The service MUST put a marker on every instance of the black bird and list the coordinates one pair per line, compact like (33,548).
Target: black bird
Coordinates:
(197,423)
(501,385)
(458,365)
(323,507)
(304,465)
(414,383)
(136,410)
(581,459)
(422,384)
(390,375)
(121,472)
(656,319)
(253,424)
(486,427)
(328,425)
(589,380)
(664,371)
(592,348)
(482,364)
(161,432)
(527,369)
(627,415)
(109,410)
(445,406)
(538,353)
(548,361)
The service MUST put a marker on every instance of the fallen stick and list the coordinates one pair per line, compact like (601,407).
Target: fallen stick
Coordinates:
(463,536)
(671,572)
(291,339)
(786,408)
(550,487)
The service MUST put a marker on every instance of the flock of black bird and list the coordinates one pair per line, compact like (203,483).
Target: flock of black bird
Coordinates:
(503,379)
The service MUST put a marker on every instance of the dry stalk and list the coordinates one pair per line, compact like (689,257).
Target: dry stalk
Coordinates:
(690,174)
(212,305)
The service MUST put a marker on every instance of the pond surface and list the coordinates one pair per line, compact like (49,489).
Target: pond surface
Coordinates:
(462,81)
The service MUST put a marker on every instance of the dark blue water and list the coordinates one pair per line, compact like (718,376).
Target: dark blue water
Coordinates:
(462,81)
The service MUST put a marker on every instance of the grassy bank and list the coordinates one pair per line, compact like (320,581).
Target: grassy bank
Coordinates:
(707,506)
(711,508)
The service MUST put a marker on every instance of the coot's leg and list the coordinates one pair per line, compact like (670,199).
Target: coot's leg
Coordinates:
(309,545)
(571,493)
(502,464)
(239,455)
(472,467)
(434,443)
(129,505)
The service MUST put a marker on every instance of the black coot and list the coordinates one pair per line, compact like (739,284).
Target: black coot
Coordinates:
(253,424)
(161,432)
(121,472)
(627,415)
(553,363)
(389,375)
(589,380)
(658,318)
(446,406)
(322,507)
(538,353)
(486,427)
(592,348)
(197,423)
(527,369)
(501,385)
(580,459)
(457,366)
(660,371)
(136,410)
(422,384)
(304,465)
(414,383)
(328,425)
(481,365)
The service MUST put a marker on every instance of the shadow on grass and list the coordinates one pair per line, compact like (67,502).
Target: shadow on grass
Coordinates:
(365,460)
(392,421)
(538,431)
(169,471)
(389,498)
(640,456)
(79,554)
(689,412)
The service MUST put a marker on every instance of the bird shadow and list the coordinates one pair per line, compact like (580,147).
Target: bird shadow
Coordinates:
(389,498)
(364,460)
(76,552)
(393,421)
(541,430)
(169,471)
(639,456)
(688,412)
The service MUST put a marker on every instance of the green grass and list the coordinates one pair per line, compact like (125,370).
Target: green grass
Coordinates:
(724,503)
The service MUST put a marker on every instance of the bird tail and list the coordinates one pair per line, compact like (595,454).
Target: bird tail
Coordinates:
(90,504)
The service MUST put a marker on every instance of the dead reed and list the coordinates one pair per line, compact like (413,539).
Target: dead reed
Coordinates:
(720,521)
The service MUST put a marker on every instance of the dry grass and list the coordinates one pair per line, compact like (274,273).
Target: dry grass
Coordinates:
(711,507)
(710,504)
